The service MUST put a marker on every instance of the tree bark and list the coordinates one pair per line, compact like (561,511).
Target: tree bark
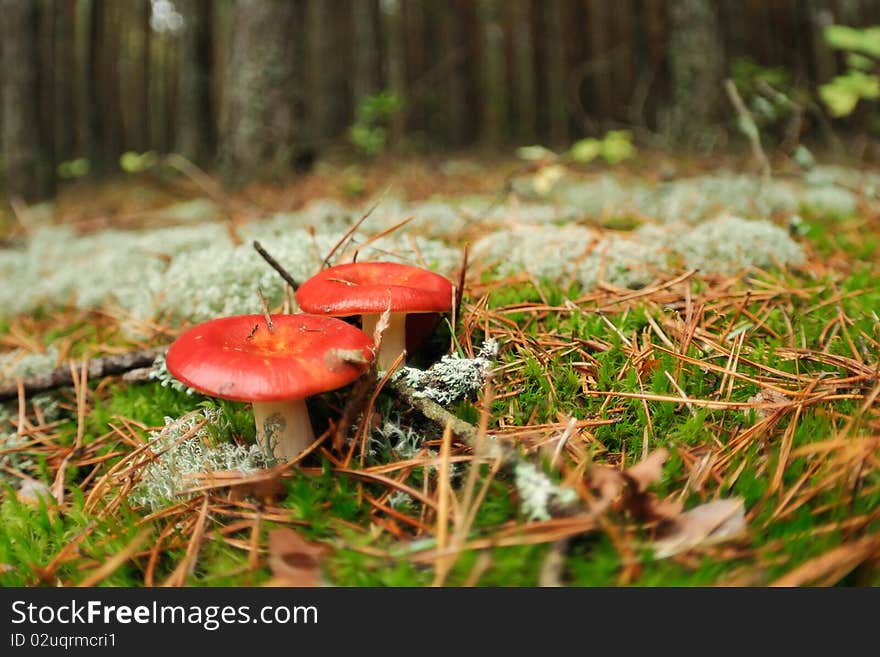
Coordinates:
(367,47)
(257,117)
(95,131)
(64,68)
(696,67)
(415,65)
(28,173)
(494,98)
(520,72)
(601,64)
(557,112)
(329,30)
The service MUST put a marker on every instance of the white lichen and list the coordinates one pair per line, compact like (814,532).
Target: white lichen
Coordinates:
(159,372)
(164,480)
(391,440)
(453,377)
(20,364)
(196,271)
(539,496)
(729,244)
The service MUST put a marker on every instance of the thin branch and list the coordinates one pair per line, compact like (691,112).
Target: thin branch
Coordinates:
(276,266)
(748,127)
(266,314)
(61,377)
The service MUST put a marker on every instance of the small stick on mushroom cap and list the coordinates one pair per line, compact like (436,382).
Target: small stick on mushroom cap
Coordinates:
(238,358)
(369,289)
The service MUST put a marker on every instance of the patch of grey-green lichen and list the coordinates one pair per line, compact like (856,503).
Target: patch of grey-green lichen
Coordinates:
(544,253)
(452,377)
(573,252)
(723,244)
(164,480)
(159,372)
(10,443)
(540,498)
(191,211)
(196,272)
(729,244)
(693,199)
(400,500)
(417,251)
(19,364)
(392,441)
(56,267)
(863,181)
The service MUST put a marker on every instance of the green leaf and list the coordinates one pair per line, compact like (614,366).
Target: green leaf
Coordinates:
(839,100)
(843,92)
(859,62)
(585,150)
(865,40)
(617,146)
(74,168)
(132,162)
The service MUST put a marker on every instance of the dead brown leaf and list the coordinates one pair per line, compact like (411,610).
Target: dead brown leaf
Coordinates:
(704,525)
(630,487)
(294,561)
(649,470)
(606,484)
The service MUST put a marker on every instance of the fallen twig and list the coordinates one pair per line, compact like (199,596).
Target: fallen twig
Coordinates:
(276,266)
(62,377)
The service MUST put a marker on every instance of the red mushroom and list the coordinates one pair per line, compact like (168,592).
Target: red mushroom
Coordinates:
(240,358)
(370,288)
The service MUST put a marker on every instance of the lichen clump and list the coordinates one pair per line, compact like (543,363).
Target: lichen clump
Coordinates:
(453,377)
(165,479)
(539,496)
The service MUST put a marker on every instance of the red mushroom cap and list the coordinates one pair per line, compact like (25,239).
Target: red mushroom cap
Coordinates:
(369,287)
(238,358)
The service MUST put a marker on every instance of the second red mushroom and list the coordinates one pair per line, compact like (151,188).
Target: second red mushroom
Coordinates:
(369,289)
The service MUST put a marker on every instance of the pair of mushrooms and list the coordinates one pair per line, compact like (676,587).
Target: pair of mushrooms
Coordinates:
(276,367)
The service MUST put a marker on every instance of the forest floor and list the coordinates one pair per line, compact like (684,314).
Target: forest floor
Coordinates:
(685,390)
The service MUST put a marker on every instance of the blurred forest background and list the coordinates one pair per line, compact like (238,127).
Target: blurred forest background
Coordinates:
(251,88)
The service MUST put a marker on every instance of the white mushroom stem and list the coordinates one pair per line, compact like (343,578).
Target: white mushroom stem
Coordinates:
(393,340)
(283,428)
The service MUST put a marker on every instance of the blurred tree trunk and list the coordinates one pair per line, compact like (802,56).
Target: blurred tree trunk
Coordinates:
(520,69)
(329,31)
(195,119)
(64,69)
(146,70)
(696,69)
(107,76)
(415,65)
(393,68)
(257,113)
(95,131)
(157,91)
(46,81)
(457,26)
(494,99)
(555,100)
(367,47)
(600,67)
(28,174)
